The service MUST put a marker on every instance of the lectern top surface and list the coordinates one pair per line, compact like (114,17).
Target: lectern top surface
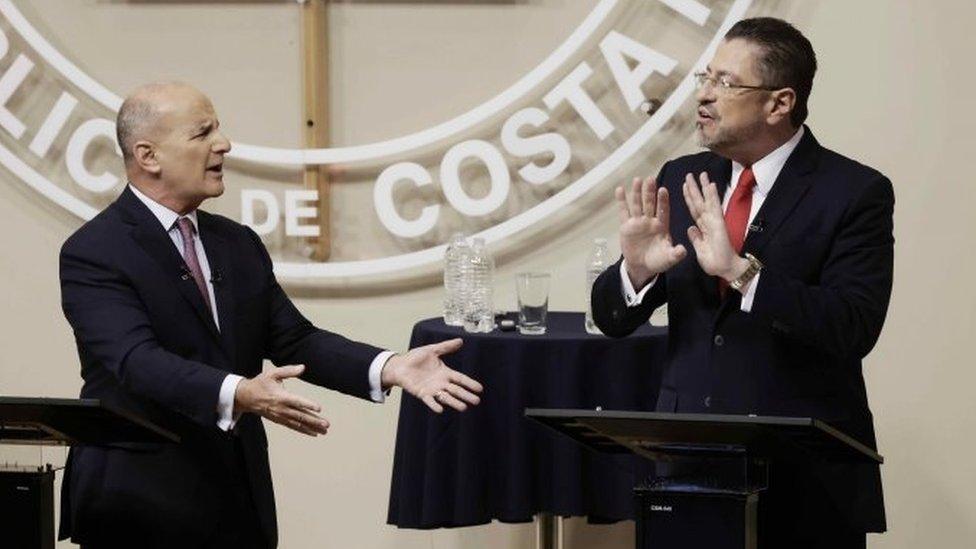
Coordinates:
(57,421)
(664,434)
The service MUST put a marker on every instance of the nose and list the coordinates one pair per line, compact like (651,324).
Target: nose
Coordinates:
(221,144)
(705,93)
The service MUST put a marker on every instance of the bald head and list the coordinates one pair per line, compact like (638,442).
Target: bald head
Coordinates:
(174,149)
(141,114)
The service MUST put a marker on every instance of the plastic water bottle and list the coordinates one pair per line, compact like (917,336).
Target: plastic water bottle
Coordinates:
(487,320)
(465,288)
(477,274)
(453,302)
(597,263)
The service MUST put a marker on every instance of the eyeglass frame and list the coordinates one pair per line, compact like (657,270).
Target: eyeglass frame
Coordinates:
(719,82)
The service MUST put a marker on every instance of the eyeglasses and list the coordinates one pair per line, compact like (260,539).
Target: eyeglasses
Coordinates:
(723,85)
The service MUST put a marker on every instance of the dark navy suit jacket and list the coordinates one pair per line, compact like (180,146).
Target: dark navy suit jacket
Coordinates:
(148,344)
(827,246)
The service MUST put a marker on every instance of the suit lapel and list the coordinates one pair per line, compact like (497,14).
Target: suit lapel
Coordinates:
(790,186)
(792,183)
(152,238)
(220,272)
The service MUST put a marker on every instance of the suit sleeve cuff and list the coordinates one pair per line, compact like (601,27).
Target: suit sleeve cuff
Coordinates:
(746,305)
(376,392)
(226,418)
(632,297)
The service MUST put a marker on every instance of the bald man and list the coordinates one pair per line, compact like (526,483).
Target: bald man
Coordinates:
(174,311)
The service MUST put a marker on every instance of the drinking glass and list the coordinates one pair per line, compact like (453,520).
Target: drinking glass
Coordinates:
(533,302)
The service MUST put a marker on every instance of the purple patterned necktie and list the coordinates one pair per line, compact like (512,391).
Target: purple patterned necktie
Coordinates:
(190,256)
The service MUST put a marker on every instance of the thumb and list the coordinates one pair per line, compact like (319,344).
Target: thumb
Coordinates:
(697,241)
(678,253)
(447,347)
(285,372)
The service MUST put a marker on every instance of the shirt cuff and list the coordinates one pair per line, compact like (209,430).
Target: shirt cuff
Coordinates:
(376,391)
(226,418)
(632,297)
(746,305)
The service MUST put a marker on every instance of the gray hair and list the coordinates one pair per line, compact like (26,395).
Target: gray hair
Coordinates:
(135,118)
(139,115)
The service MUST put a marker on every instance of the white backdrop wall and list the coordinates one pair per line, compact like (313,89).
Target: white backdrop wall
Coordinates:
(893,92)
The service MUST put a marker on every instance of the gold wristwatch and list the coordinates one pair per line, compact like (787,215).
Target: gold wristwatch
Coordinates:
(754,267)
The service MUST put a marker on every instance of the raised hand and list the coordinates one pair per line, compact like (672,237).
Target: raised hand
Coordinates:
(645,239)
(266,396)
(708,235)
(423,374)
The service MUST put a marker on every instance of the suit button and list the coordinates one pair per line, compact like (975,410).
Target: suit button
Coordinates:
(719,340)
(708,402)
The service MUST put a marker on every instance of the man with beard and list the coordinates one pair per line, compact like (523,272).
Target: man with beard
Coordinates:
(789,284)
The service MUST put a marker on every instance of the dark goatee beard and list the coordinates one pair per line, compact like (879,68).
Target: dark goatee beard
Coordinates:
(724,138)
(704,141)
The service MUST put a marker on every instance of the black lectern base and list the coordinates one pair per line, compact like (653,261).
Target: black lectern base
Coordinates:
(671,519)
(710,469)
(27,504)
(27,495)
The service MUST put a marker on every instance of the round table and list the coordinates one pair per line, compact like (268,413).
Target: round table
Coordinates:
(492,463)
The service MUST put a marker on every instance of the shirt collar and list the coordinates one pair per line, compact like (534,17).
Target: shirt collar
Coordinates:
(767,168)
(165,215)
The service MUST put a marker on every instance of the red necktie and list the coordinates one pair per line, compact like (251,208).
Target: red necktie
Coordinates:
(737,215)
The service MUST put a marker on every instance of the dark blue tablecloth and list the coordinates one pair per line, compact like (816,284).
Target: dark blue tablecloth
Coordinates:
(491,463)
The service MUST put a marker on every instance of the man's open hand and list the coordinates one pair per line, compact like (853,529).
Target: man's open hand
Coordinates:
(423,374)
(645,238)
(266,396)
(709,235)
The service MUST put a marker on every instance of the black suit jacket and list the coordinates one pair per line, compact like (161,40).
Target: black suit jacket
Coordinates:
(824,234)
(148,344)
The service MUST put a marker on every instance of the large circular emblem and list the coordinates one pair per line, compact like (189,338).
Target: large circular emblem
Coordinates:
(494,171)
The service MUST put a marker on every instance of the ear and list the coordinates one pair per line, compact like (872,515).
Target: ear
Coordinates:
(781,104)
(144,155)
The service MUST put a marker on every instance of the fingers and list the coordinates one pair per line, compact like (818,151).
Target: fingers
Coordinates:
(433,404)
(463,394)
(695,235)
(286,372)
(303,422)
(649,197)
(692,197)
(622,210)
(633,200)
(447,347)
(663,211)
(300,403)
(710,192)
(464,381)
(298,420)
(678,253)
(459,392)
(703,179)
(701,195)
(642,199)
(447,399)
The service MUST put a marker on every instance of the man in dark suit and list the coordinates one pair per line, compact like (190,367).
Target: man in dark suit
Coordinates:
(790,282)
(174,310)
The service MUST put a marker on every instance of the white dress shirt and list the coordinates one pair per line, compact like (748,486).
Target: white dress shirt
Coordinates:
(225,400)
(766,170)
